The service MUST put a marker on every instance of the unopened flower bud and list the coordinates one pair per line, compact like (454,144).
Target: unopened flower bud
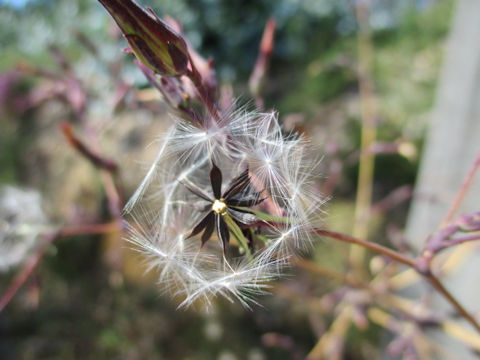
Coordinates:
(153,42)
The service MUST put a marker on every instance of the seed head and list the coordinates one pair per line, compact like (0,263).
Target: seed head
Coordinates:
(222,208)
(219,207)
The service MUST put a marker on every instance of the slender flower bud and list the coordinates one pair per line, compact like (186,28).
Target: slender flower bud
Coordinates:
(154,43)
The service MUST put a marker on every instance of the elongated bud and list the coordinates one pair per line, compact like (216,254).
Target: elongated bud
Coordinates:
(154,43)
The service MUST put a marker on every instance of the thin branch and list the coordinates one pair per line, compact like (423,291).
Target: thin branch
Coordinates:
(462,192)
(115,200)
(451,299)
(421,265)
(461,240)
(368,245)
(33,261)
(257,78)
(196,78)
(83,149)
(394,198)
(25,272)
(445,244)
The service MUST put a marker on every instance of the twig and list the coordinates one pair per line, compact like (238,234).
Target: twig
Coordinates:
(25,272)
(368,245)
(460,240)
(449,297)
(32,262)
(400,304)
(83,149)
(396,197)
(462,192)
(421,265)
(115,201)
(196,78)
(257,77)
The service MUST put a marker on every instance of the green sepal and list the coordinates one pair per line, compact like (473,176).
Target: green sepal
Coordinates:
(236,233)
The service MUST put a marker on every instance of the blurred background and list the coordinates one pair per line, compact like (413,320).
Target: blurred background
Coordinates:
(61,62)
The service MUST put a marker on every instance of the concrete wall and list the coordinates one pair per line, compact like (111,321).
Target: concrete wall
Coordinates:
(452,145)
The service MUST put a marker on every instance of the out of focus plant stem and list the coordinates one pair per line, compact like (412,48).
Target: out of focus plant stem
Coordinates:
(421,264)
(441,239)
(33,261)
(368,134)
(83,149)
(462,192)
(257,78)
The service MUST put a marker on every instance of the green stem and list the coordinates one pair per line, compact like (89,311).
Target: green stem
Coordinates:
(237,234)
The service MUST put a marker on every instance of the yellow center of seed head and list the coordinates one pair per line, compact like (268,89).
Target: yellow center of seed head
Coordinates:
(219,207)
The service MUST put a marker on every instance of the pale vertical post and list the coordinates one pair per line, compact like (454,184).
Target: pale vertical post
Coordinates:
(453,143)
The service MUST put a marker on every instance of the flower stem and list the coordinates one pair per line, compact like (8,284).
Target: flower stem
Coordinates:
(368,133)
(368,245)
(238,235)
(196,78)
